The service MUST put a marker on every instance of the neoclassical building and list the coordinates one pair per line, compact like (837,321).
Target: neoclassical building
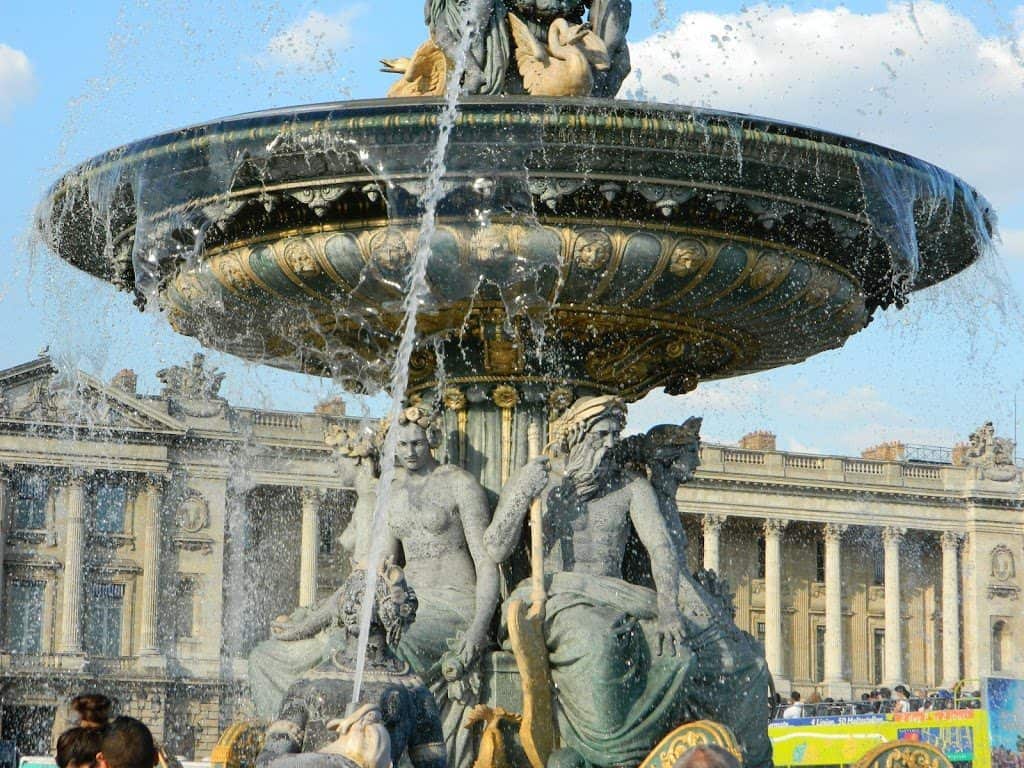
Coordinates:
(149,541)
(861,572)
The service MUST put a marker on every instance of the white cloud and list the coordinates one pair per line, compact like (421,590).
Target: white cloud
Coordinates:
(920,77)
(17,82)
(314,42)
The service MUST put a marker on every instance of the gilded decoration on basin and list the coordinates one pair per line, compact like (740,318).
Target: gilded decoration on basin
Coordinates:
(674,307)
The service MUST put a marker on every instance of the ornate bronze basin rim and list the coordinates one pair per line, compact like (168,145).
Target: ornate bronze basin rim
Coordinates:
(660,245)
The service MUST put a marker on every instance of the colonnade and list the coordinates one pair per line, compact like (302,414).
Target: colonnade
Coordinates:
(71,496)
(836,682)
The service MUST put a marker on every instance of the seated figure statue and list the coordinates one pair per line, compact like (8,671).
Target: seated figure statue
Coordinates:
(617,652)
(729,676)
(398,710)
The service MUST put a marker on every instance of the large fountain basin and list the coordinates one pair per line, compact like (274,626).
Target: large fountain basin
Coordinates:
(615,246)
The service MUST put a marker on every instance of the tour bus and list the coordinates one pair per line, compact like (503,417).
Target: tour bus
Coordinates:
(983,729)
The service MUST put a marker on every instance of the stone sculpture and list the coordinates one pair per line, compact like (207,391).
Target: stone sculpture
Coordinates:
(398,716)
(618,652)
(507,53)
(436,521)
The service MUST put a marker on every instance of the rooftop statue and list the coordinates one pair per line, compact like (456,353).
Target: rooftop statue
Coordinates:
(541,47)
(398,715)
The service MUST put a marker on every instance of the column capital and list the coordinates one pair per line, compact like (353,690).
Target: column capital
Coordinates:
(774,526)
(833,531)
(893,535)
(713,523)
(311,495)
(76,477)
(952,540)
(155,482)
(505,396)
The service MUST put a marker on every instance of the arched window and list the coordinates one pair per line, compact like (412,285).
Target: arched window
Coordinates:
(1000,645)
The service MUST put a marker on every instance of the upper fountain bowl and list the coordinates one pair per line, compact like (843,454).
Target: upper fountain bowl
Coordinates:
(612,245)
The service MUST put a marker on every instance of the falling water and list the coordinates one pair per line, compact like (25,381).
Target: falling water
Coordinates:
(415,294)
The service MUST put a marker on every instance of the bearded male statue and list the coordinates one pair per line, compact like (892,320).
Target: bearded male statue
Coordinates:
(617,652)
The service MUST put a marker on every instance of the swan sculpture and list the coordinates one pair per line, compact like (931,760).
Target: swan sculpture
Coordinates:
(566,67)
(424,74)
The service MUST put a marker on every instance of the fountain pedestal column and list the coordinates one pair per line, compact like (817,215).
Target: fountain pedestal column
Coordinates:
(835,685)
(773,649)
(310,546)
(951,672)
(891,538)
(69,644)
(150,656)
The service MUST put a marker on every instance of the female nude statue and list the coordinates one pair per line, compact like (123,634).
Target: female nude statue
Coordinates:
(436,518)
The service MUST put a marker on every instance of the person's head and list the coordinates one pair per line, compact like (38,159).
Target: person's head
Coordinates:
(91,710)
(127,743)
(885,693)
(707,756)
(78,747)
(902,692)
(865,697)
(415,428)
(794,696)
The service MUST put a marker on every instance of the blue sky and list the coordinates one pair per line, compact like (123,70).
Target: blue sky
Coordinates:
(941,81)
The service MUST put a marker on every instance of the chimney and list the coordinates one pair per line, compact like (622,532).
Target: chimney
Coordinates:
(758,441)
(892,451)
(126,380)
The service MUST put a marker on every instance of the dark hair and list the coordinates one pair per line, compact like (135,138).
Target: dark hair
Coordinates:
(78,746)
(795,695)
(92,708)
(128,743)
(903,689)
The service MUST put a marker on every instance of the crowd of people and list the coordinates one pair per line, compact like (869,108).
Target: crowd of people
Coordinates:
(880,700)
(98,740)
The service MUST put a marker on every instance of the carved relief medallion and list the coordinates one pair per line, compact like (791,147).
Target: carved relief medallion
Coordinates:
(1003,565)
(193,515)
(593,249)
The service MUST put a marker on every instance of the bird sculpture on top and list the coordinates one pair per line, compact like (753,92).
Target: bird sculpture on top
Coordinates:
(566,67)
(540,47)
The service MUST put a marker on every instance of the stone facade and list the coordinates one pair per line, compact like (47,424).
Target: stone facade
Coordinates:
(134,528)
(858,573)
(150,540)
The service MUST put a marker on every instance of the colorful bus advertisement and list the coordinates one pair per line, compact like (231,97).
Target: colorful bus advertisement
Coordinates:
(961,734)
(1004,700)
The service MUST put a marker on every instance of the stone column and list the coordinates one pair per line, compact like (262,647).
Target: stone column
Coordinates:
(891,538)
(712,529)
(950,608)
(149,651)
(5,521)
(310,546)
(773,651)
(70,640)
(835,685)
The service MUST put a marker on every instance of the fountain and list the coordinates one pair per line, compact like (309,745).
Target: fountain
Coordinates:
(550,253)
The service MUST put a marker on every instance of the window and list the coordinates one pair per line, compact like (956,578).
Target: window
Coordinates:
(819,652)
(877,564)
(1000,644)
(25,616)
(759,627)
(877,656)
(108,504)
(103,627)
(184,625)
(819,560)
(326,534)
(30,496)
(760,557)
